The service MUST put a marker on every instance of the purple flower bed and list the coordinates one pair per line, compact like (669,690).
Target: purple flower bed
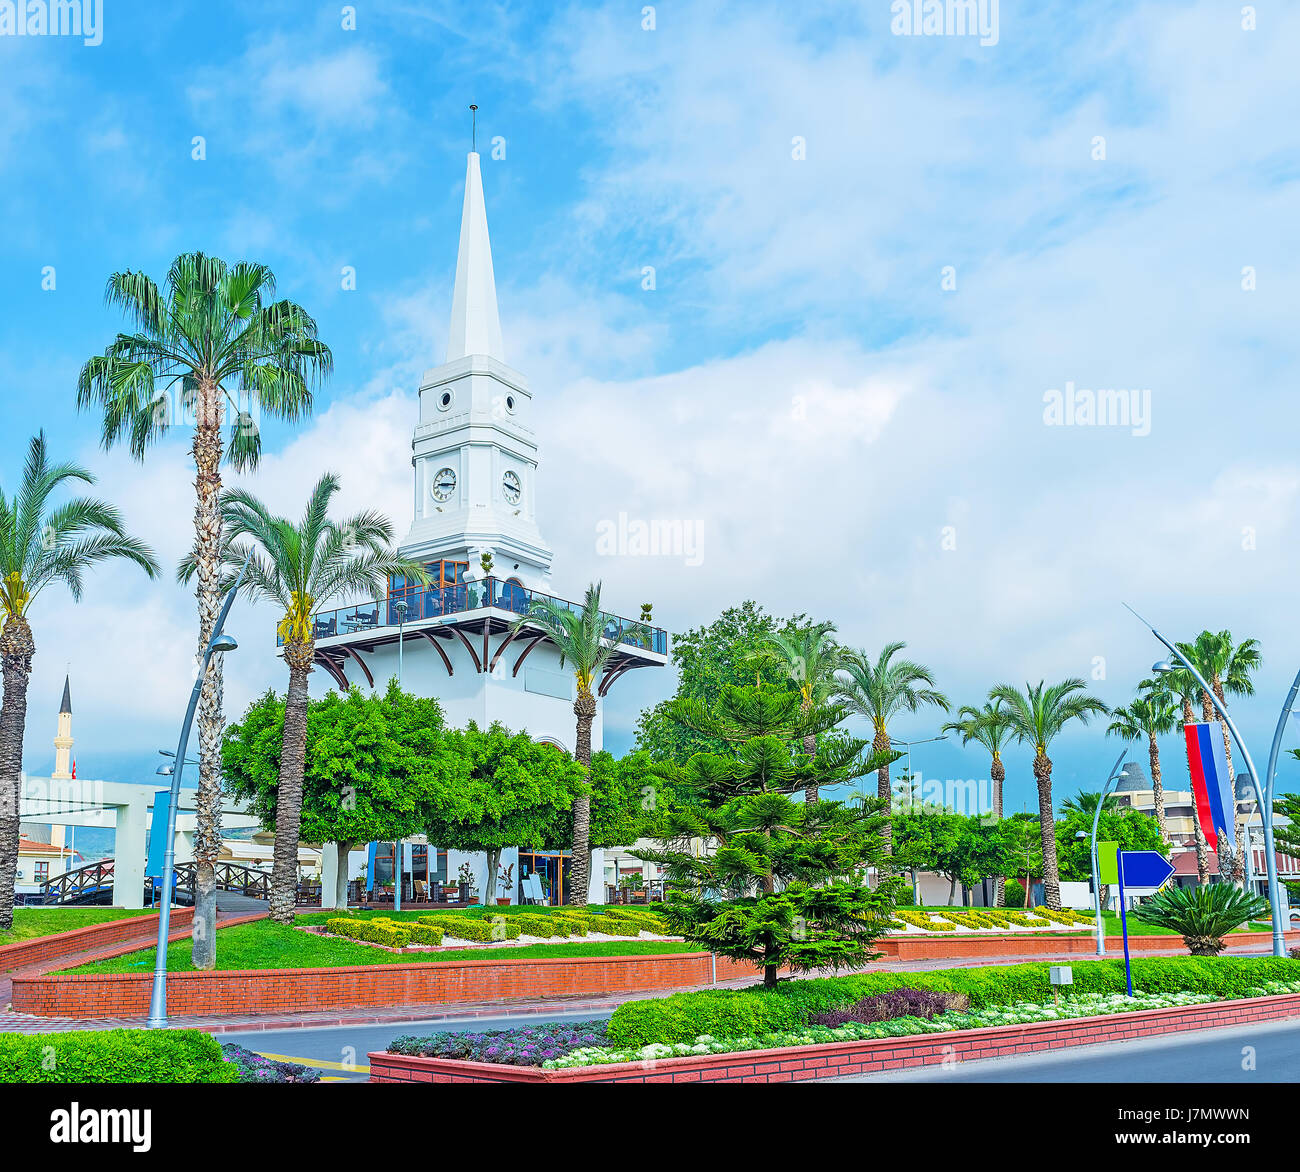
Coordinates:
(529,1046)
(255,1068)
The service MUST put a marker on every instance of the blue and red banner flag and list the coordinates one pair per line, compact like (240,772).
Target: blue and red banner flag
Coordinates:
(1216,803)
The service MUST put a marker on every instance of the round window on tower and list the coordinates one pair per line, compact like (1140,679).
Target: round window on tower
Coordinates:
(510,404)
(444,401)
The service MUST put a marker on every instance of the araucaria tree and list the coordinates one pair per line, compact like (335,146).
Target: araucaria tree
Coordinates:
(989,726)
(211,346)
(585,644)
(879,690)
(41,545)
(752,874)
(1038,715)
(298,568)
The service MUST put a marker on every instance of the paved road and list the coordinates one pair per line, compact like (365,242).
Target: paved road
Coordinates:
(339,1052)
(1267,1052)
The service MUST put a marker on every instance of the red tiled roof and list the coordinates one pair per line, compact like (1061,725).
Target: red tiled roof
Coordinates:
(31,847)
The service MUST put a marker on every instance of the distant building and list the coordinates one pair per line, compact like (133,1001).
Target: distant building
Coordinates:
(42,861)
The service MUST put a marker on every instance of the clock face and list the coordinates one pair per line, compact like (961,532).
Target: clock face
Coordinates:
(511,489)
(444,484)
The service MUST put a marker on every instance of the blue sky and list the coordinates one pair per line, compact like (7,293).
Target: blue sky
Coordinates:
(857,441)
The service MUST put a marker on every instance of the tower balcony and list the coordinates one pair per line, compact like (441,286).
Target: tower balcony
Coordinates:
(469,613)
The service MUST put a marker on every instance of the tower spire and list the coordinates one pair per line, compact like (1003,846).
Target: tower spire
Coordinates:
(64,769)
(475,322)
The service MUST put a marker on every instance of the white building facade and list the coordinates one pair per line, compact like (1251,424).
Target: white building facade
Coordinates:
(475,530)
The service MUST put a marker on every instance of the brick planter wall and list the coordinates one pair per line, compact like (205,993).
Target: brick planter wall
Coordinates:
(293,990)
(969,946)
(800,1063)
(135,929)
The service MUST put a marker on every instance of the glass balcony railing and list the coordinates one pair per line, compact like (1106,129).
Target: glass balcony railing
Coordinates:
(434,602)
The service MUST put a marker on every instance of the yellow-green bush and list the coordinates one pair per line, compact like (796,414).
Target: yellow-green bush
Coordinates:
(480,929)
(388,933)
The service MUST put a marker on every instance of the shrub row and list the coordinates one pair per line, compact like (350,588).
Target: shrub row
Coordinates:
(381,930)
(683,1017)
(467,928)
(81,1056)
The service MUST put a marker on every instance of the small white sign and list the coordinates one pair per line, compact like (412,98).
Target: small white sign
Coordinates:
(1062,974)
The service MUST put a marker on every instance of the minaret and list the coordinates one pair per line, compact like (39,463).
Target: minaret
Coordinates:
(474,449)
(63,741)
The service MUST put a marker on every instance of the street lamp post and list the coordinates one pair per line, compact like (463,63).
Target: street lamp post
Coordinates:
(1266,797)
(401,609)
(1115,773)
(217,642)
(908,746)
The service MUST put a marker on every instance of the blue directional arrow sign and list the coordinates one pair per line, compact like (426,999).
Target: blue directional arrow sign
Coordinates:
(1145,869)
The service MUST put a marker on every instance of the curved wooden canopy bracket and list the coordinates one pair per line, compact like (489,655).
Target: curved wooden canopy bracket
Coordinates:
(337,674)
(611,678)
(510,638)
(470,648)
(369,678)
(524,654)
(433,642)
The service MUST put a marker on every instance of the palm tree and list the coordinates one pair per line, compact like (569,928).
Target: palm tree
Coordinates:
(40,545)
(1178,686)
(584,643)
(989,726)
(213,334)
(1227,667)
(1150,716)
(810,656)
(1038,715)
(301,568)
(878,691)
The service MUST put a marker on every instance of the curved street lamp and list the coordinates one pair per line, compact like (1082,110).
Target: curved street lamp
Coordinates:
(217,642)
(1266,796)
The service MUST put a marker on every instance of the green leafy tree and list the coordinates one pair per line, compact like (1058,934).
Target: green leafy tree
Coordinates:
(1025,837)
(1286,838)
(42,544)
(989,726)
(300,568)
(1148,717)
(580,635)
(1132,829)
(966,849)
(923,840)
(878,690)
(752,874)
(511,789)
(731,651)
(377,768)
(626,795)
(1038,715)
(216,342)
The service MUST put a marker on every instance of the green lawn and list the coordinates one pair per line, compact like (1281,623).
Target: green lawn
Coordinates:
(264,945)
(30,922)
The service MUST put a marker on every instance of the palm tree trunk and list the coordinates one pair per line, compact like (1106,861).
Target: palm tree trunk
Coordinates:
(16,651)
(1051,875)
(810,747)
(288,797)
(998,774)
(207,554)
(1157,788)
(880,744)
(584,708)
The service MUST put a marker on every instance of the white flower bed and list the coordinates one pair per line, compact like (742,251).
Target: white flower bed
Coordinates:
(1070,1009)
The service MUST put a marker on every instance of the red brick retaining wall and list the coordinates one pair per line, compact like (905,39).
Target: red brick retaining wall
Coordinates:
(293,990)
(969,946)
(50,948)
(800,1063)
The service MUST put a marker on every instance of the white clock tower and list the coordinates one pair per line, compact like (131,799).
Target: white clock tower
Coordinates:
(475,453)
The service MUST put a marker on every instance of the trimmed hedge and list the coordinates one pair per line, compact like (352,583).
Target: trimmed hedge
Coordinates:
(81,1056)
(481,930)
(682,1017)
(372,931)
